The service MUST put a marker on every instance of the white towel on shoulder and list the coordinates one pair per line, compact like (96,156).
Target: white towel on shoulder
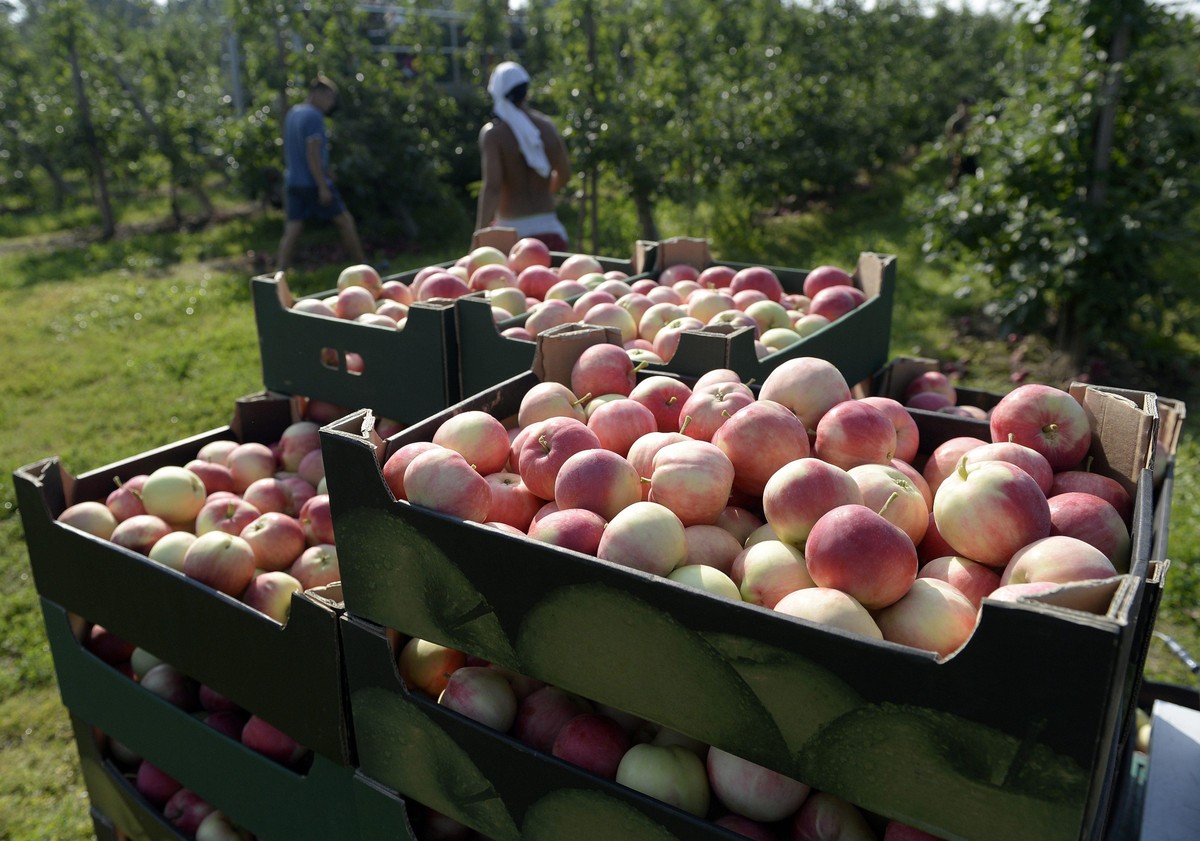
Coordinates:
(506,76)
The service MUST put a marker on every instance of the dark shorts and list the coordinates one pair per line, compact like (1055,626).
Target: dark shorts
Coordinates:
(555,242)
(303,203)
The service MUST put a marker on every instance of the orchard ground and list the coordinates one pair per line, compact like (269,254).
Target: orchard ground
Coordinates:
(115,348)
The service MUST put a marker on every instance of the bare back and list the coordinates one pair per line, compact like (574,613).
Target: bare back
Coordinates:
(523,192)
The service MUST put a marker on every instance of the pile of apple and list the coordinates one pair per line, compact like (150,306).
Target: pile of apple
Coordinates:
(182,807)
(740,795)
(933,391)
(799,498)
(249,519)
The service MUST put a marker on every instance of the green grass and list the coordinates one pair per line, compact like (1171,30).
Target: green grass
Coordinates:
(116,348)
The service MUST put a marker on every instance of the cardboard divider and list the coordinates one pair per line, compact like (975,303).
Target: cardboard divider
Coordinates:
(274,802)
(481,777)
(215,638)
(857,343)
(407,374)
(1011,737)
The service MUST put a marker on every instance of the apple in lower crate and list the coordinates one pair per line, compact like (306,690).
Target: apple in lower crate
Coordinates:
(172,685)
(550,313)
(312,467)
(481,694)
(577,529)
(154,784)
(174,493)
(739,522)
(768,571)
(547,400)
(669,773)
(186,810)
(712,546)
(125,500)
(261,736)
(229,723)
(1058,559)
(710,406)
(142,661)
(1093,520)
(827,606)
(896,831)
(1105,487)
(219,827)
(542,713)
(267,494)
(226,514)
(477,437)
(426,666)
(618,423)
(761,438)
(217,451)
(827,817)
(526,252)
(1046,419)
(106,645)
(545,447)
(646,536)
(752,790)
(397,463)
(271,593)
(594,742)
(658,316)
(250,461)
(140,532)
(836,301)
(642,452)
(298,491)
(908,436)
(856,550)
(277,540)
(971,578)
(223,561)
(90,516)
(801,492)
(933,615)
(296,441)
(807,385)
(706,578)
(987,511)
(598,480)
(213,701)
(693,479)
(317,520)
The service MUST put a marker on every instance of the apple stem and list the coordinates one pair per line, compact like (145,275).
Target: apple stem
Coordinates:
(1050,428)
(687,420)
(672,400)
(640,366)
(583,399)
(751,381)
(889,502)
(962,467)
(1011,438)
(542,441)
(725,413)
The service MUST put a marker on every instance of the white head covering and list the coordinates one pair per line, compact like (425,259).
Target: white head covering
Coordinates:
(506,76)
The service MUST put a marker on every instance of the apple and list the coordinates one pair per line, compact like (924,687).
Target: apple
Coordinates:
(664,396)
(856,550)
(929,401)
(174,493)
(716,277)
(550,313)
(547,445)
(493,276)
(834,608)
(620,422)
(360,275)
(658,316)
(93,517)
(125,500)
(220,827)
(577,265)
(312,468)
(1026,458)
(542,714)
(933,615)
(709,579)
(666,341)
(442,284)
(602,369)
(693,479)
(547,400)
(481,694)
(170,549)
(931,381)
(250,461)
(444,481)
(315,306)
(510,300)
(908,436)
(526,252)
(758,278)
(577,529)
(593,297)
(824,276)
(154,784)
(646,536)
(478,437)
(108,646)
(271,593)
(592,741)
(945,459)
(642,452)
(896,831)
(853,433)
(298,491)
(511,502)
(836,301)
(669,773)
(1058,559)
(706,303)
(216,477)
(267,494)
(397,463)
(913,475)
(223,561)
(140,532)
(1093,520)
(426,666)
(971,578)
(752,790)
(768,571)
(296,441)
(172,685)
(739,522)
(397,291)
(933,545)
(1105,487)
(186,810)
(598,480)
(769,315)
(1047,419)
(263,737)
(352,302)
(801,492)
(227,514)
(711,405)
(676,272)
(893,494)
(827,817)
(808,386)
(712,546)
(990,510)
(316,566)
(317,520)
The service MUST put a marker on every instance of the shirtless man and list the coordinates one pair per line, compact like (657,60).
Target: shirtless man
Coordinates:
(524,162)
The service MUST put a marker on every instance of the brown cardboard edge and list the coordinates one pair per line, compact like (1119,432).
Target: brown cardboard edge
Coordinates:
(1118,418)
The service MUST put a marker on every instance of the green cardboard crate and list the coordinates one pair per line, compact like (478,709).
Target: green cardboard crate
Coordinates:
(217,639)
(1013,737)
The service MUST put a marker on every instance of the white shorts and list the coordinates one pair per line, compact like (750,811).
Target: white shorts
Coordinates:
(539,223)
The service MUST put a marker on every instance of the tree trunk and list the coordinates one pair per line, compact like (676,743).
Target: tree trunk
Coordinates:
(92,141)
(645,214)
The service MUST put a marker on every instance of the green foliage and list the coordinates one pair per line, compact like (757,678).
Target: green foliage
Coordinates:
(1065,230)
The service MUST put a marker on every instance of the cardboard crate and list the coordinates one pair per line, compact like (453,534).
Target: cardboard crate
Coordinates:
(274,802)
(1013,737)
(892,379)
(217,639)
(857,343)
(481,777)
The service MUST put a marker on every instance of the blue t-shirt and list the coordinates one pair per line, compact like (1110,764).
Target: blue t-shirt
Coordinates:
(303,121)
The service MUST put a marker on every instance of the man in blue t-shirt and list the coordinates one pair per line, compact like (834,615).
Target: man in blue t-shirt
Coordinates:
(311,193)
